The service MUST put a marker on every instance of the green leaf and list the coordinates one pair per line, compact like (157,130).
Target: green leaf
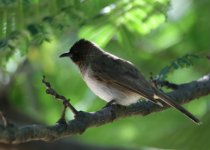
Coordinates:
(99,34)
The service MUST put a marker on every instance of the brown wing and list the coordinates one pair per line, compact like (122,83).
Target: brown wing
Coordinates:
(122,73)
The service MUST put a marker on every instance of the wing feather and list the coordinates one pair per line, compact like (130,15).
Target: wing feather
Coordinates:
(122,73)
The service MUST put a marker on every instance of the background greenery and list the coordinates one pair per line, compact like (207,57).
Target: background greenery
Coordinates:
(149,33)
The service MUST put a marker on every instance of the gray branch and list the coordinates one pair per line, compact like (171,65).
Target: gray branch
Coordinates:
(183,94)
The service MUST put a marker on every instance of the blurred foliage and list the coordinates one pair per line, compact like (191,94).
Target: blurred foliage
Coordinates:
(156,35)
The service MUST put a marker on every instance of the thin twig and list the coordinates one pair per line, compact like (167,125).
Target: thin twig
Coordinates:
(161,83)
(4,120)
(66,102)
(167,84)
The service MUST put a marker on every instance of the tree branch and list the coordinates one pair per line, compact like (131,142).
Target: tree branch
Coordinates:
(83,120)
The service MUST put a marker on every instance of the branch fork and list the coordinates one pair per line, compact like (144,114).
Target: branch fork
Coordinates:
(66,102)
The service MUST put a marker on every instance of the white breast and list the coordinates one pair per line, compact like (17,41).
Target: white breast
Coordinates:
(108,92)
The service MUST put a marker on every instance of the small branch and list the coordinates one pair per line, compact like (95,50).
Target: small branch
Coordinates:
(183,94)
(167,84)
(66,102)
(161,83)
(4,120)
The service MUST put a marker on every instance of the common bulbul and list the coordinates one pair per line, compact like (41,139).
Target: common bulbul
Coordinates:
(116,80)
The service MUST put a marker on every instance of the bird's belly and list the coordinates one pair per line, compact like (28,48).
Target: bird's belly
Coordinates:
(109,92)
(100,90)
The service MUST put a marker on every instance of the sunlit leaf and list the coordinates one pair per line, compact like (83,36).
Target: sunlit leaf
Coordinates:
(100,35)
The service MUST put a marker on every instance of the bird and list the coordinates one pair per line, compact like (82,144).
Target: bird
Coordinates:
(116,80)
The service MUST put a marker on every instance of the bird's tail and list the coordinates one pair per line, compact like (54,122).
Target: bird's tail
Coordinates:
(166,99)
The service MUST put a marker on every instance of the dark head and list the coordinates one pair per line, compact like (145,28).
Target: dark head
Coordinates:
(79,51)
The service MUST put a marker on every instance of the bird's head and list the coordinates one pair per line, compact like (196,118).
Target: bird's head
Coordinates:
(79,51)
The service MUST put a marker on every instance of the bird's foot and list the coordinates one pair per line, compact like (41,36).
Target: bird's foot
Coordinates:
(113,106)
(110,103)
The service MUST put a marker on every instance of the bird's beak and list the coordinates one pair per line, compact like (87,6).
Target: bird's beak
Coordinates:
(65,55)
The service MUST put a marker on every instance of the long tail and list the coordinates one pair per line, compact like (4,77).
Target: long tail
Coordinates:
(166,99)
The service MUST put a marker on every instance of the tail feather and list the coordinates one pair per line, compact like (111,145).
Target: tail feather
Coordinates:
(166,99)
